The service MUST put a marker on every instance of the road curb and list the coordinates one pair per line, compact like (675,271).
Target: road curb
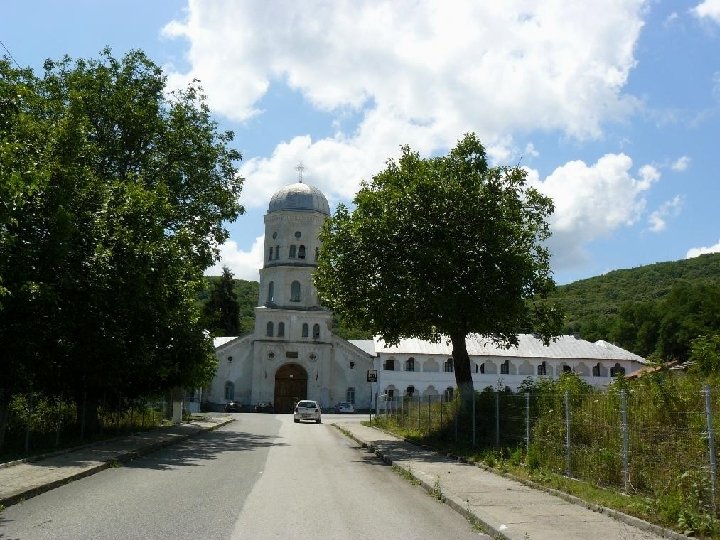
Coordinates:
(124,457)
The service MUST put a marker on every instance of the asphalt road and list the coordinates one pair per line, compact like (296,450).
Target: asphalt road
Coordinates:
(260,477)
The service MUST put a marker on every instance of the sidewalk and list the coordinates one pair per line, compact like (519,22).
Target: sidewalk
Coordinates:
(504,508)
(27,479)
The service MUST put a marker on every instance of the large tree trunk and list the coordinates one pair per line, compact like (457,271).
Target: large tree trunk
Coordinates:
(463,374)
(87,414)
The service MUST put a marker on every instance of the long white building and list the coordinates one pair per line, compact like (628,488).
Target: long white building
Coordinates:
(292,353)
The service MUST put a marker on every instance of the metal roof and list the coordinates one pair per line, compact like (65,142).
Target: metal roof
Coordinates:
(366,345)
(299,196)
(529,346)
(220,341)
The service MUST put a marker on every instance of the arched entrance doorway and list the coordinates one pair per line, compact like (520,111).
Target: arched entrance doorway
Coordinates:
(290,387)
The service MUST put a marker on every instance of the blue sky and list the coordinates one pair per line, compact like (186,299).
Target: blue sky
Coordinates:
(613,107)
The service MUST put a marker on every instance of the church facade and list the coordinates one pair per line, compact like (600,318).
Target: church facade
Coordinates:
(292,353)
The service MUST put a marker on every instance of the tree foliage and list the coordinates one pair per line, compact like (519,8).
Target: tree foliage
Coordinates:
(222,309)
(113,195)
(441,247)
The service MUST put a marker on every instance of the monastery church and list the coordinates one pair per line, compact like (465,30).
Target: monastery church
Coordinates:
(292,353)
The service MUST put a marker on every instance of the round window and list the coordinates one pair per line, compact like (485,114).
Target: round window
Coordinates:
(297,234)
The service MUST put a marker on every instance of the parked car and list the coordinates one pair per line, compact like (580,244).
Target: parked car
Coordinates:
(307,410)
(344,407)
(264,406)
(232,406)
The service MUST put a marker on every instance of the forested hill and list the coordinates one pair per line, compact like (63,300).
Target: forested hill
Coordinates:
(653,310)
(656,308)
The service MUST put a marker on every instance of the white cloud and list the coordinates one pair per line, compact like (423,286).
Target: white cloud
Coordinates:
(418,73)
(709,9)
(658,219)
(243,264)
(680,164)
(592,201)
(696,252)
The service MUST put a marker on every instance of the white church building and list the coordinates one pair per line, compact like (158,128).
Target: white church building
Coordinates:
(292,353)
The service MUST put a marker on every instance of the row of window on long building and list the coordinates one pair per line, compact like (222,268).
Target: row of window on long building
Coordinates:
(542,368)
(294,252)
(305,332)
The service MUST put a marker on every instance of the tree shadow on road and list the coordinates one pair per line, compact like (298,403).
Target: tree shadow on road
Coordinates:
(210,445)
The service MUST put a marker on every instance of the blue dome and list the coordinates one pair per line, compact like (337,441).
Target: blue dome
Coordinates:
(299,197)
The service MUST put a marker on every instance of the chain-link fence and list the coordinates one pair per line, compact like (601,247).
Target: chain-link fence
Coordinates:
(657,439)
(38,423)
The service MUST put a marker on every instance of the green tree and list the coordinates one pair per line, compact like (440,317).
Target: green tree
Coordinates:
(222,310)
(118,192)
(438,248)
(705,355)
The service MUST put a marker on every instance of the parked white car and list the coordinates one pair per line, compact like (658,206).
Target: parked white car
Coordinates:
(307,410)
(344,407)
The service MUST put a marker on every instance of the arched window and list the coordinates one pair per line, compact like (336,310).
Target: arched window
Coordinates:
(305,329)
(350,395)
(449,366)
(409,391)
(229,391)
(567,369)
(449,393)
(270,253)
(271,292)
(542,369)
(410,364)
(277,252)
(281,329)
(482,367)
(596,370)
(293,249)
(295,291)
(316,331)
(505,368)
(270,329)
(389,364)
(301,252)
(617,369)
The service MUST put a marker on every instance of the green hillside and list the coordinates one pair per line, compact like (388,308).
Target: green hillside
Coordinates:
(654,309)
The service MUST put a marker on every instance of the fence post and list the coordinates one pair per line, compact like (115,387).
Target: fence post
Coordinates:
(442,398)
(624,432)
(711,443)
(419,407)
(429,415)
(473,419)
(568,470)
(28,426)
(527,422)
(497,418)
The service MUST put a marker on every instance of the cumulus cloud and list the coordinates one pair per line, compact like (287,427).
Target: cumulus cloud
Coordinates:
(592,201)
(658,218)
(709,9)
(680,164)
(696,252)
(417,73)
(243,264)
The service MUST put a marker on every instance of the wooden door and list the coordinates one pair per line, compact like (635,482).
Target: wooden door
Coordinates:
(290,387)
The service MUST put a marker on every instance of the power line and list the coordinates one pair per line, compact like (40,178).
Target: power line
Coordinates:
(9,54)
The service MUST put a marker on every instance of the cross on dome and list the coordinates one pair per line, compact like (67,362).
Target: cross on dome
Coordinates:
(300,168)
